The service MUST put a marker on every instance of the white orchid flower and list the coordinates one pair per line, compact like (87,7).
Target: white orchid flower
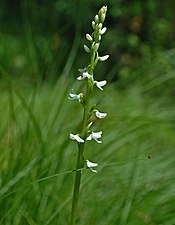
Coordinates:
(100,84)
(90,165)
(73,96)
(100,115)
(95,136)
(85,75)
(76,137)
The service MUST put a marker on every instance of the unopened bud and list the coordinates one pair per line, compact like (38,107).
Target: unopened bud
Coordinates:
(103,30)
(93,44)
(86,48)
(103,10)
(96,46)
(99,37)
(88,37)
(99,26)
(96,18)
(93,24)
(102,18)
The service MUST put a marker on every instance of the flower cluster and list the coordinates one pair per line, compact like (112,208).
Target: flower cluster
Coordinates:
(87,75)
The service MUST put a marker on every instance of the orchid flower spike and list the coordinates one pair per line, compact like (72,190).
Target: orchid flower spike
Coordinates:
(90,165)
(76,137)
(95,136)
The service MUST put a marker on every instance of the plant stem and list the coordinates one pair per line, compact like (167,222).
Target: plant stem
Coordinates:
(95,42)
(80,161)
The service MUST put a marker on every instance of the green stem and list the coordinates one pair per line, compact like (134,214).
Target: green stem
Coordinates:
(80,162)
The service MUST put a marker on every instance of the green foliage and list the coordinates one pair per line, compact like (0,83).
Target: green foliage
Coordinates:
(42,43)
(34,144)
(54,28)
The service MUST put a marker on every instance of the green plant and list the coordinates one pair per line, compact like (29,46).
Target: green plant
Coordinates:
(86,134)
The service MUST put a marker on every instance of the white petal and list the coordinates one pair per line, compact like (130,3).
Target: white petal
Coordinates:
(91,164)
(96,135)
(89,76)
(98,141)
(100,84)
(82,70)
(76,137)
(74,96)
(103,58)
(80,78)
(89,137)
(94,171)
(100,115)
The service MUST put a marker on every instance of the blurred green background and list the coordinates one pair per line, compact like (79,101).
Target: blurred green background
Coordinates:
(41,48)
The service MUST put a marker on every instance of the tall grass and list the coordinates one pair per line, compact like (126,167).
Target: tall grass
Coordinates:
(36,158)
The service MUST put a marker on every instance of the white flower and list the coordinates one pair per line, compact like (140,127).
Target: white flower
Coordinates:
(85,75)
(103,58)
(95,136)
(100,115)
(100,84)
(73,96)
(76,137)
(90,165)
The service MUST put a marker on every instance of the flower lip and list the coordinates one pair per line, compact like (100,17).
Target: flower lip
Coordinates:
(76,137)
(100,84)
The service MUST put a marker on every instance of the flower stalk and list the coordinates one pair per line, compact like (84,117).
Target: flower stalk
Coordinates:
(86,134)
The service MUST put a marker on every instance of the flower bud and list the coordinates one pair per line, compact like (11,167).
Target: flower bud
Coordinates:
(88,37)
(93,44)
(86,48)
(96,18)
(103,30)
(99,38)
(103,10)
(99,26)
(102,18)
(96,46)
(93,24)
(102,14)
